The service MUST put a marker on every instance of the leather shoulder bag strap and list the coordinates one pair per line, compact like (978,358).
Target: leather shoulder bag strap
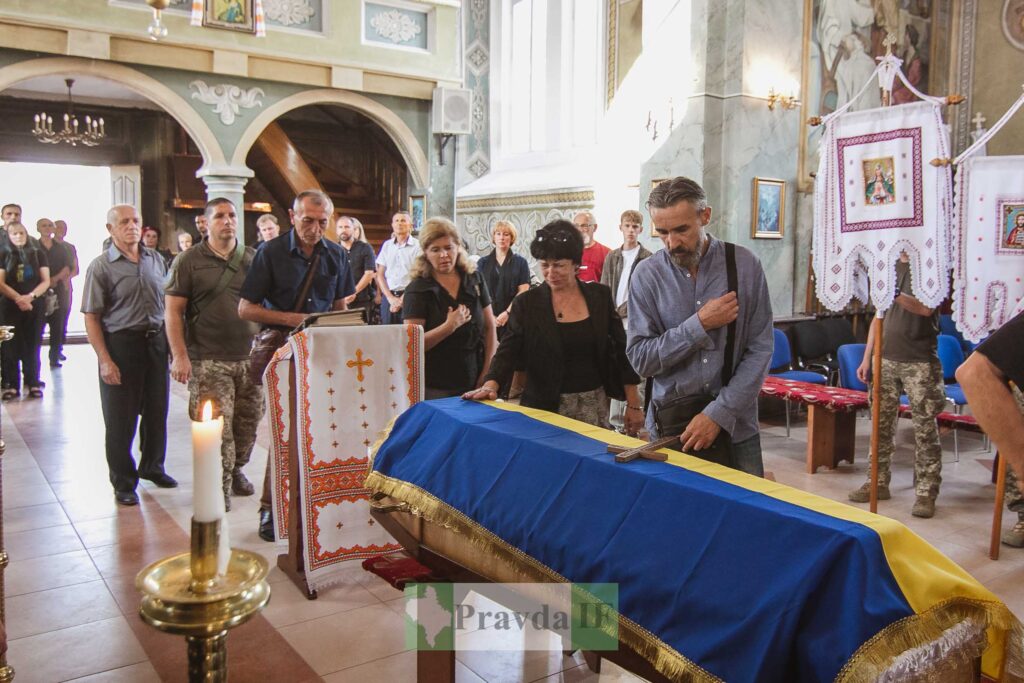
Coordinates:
(308,281)
(730,334)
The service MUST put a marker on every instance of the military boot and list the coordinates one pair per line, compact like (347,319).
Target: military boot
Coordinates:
(863,494)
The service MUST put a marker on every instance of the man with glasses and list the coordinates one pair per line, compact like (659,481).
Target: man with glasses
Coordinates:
(594,253)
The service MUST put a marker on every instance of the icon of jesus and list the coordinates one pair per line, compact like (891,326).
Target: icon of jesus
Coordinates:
(1015,238)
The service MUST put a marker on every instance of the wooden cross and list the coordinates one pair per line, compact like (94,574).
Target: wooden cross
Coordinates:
(360,364)
(978,121)
(648,451)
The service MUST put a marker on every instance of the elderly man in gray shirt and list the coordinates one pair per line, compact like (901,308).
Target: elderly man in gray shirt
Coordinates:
(123,305)
(680,308)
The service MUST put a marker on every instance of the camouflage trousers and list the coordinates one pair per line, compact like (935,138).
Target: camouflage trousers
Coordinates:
(923,385)
(1014,498)
(238,400)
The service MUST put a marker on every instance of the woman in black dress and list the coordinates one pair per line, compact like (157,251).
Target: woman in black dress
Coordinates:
(24,278)
(450,300)
(507,274)
(569,339)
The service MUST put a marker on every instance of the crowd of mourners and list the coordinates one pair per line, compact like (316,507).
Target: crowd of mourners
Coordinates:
(671,343)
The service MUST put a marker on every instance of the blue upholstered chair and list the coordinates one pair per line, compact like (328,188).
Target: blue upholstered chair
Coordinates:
(782,364)
(951,355)
(948,327)
(849,356)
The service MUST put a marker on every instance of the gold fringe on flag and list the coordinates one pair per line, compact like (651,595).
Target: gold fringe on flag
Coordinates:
(870,661)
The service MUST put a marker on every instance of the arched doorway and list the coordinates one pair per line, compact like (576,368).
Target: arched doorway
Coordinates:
(357,150)
(147,125)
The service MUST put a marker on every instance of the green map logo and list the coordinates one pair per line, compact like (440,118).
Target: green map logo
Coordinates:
(439,615)
(429,616)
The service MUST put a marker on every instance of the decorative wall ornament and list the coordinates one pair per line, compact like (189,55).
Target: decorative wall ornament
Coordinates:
(395,26)
(227,100)
(478,65)
(289,12)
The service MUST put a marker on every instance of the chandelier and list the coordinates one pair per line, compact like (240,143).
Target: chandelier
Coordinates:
(90,135)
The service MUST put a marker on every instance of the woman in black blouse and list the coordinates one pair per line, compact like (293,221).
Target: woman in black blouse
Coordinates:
(507,275)
(569,339)
(450,300)
(24,278)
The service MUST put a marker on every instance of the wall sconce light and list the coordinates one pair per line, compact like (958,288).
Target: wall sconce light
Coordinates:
(784,101)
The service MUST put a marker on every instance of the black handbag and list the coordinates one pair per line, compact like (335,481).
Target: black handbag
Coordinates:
(673,416)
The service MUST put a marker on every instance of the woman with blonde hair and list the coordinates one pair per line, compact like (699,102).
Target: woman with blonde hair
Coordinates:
(450,300)
(507,274)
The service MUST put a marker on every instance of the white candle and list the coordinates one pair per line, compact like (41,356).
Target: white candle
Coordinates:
(207,486)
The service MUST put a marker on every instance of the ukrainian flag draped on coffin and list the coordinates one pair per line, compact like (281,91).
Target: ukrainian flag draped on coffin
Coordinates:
(721,575)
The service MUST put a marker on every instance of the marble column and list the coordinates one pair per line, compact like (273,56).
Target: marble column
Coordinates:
(727,135)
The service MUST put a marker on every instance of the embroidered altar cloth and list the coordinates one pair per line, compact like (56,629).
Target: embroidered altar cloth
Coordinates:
(989,234)
(350,382)
(877,194)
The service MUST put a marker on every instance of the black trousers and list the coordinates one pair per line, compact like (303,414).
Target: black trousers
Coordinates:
(144,392)
(21,361)
(58,324)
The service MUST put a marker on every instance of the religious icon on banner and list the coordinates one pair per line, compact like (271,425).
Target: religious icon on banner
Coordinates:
(1012,228)
(879,181)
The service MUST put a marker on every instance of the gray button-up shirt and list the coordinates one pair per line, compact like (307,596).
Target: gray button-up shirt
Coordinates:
(126,295)
(667,342)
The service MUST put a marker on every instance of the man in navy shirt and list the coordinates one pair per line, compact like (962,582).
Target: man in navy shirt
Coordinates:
(272,287)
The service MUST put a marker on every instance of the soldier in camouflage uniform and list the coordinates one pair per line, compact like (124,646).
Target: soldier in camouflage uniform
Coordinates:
(210,343)
(910,364)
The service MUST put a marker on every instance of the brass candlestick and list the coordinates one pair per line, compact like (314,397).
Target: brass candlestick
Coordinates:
(184,595)
(6,671)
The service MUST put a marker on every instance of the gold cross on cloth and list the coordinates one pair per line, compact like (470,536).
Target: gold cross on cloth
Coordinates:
(359,363)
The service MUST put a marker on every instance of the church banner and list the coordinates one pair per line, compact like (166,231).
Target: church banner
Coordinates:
(989,234)
(722,576)
(876,195)
(349,383)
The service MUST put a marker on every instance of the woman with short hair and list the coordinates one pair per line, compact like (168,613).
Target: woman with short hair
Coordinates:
(450,300)
(507,274)
(24,279)
(568,338)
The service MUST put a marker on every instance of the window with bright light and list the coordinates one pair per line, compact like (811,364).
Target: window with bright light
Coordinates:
(549,78)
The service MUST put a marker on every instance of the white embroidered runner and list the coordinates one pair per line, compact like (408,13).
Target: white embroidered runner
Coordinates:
(277,392)
(350,382)
(877,194)
(989,231)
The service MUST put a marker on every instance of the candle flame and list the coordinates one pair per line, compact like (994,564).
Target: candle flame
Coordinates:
(207,413)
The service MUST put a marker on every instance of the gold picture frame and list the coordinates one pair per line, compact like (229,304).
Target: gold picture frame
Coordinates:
(233,15)
(768,209)
(654,184)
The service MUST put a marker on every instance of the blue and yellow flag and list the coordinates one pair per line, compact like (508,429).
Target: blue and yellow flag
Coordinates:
(721,575)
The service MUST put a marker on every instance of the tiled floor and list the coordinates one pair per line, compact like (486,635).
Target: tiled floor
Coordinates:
(72,605)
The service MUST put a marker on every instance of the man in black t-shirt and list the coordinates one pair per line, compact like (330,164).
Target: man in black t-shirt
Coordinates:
(993,379)
(910,363)
(59,258)
(363,264)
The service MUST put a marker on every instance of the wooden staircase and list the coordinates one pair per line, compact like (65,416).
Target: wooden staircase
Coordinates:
(354,163)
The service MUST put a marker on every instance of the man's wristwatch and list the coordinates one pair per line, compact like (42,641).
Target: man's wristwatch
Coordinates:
(898,292)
